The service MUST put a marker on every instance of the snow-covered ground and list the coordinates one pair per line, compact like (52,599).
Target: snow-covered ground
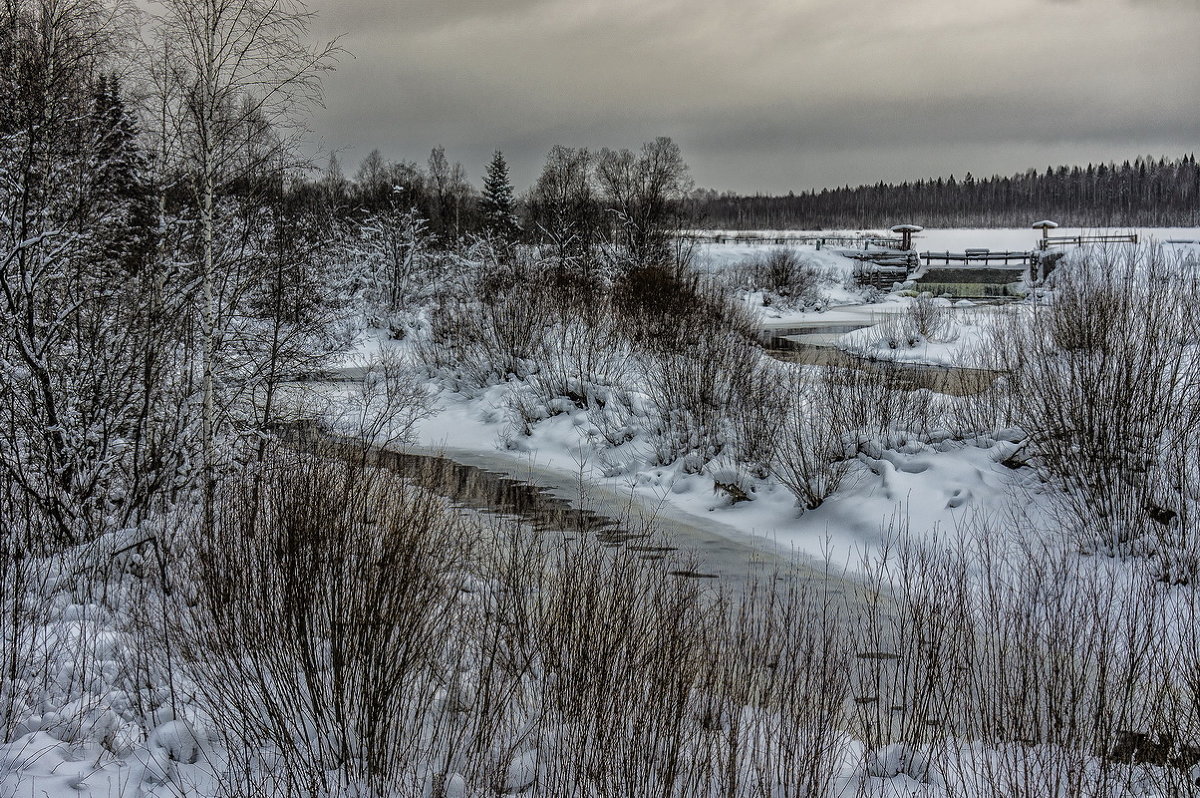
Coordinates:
(962,339)
(931,485)
(86,737)
(840,315)
(926,486)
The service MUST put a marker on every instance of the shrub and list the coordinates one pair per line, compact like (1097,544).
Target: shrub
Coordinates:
(1105,382)
(814,453)
(323,594)
(928,318)
(785,277)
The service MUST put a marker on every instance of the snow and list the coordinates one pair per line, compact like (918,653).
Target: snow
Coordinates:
(930,486)
(367,344)
(963,343)
(83,735)
(850,314)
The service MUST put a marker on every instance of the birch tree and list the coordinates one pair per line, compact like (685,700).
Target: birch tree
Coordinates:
(236,77)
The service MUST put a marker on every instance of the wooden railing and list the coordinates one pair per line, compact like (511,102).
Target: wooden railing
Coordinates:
(980,256)
(1080,240)
(908,260)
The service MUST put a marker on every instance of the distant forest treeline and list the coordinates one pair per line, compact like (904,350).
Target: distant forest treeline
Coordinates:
(1146,192)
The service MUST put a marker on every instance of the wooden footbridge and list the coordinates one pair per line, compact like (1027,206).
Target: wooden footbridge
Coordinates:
(979,256)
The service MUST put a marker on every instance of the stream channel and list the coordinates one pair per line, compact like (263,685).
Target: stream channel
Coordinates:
(555,501)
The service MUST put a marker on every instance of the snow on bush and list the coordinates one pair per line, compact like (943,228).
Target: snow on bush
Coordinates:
(1104,376)
(786,278)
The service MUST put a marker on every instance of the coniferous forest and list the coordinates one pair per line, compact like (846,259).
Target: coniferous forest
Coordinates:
(1145,192)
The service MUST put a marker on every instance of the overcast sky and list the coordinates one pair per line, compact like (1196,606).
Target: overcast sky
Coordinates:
(767,95)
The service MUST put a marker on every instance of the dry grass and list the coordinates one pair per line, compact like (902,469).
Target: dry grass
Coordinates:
(389,643)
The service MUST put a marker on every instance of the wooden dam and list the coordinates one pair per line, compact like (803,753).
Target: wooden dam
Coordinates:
(888,261)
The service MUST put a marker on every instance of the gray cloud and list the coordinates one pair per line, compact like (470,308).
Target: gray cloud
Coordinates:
(768,94)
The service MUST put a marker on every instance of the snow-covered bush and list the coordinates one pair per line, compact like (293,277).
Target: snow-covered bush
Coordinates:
(833,414)
(1105,380)
(697,360)
(323,596)
(589,345)
(816,446)
(928,317)
(382,409)
(388,257)
(474,343)
(696,392)
(757,413)
(784,277)
(586,354)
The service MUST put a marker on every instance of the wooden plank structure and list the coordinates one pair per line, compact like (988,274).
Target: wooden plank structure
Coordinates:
(1079,241)
(904,260)
(979,256)
(882,277)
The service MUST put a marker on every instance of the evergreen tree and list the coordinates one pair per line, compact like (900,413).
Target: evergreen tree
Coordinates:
(499,219)
(119,189)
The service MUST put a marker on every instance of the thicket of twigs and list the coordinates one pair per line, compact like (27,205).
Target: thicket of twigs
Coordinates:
(782,276)
(389,644)
(1104,379)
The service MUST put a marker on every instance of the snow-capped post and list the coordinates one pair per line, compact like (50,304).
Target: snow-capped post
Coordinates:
(906,232)
(1045,225)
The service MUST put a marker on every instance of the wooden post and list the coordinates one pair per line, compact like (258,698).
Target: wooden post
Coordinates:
(906,232)
(1045,226)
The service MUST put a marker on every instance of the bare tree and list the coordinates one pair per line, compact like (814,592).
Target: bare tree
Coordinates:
(448,193)
(563,205)
(233,68)
(643,192)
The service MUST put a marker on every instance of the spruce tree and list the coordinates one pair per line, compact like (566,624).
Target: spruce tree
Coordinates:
(120,190)
(499,219)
